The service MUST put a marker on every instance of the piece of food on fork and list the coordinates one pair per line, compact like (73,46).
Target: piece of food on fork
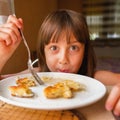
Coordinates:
(21,91)
(26,82)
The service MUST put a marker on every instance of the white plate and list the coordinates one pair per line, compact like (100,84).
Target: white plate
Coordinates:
(94,91)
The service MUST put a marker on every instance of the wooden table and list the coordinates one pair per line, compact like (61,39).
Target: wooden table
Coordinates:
(10,112)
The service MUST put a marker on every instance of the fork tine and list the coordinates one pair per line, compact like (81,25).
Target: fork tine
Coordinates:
(35,75)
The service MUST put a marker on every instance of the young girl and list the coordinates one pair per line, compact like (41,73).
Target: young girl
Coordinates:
(64,46)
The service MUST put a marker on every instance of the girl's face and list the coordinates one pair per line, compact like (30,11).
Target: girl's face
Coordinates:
(64,57)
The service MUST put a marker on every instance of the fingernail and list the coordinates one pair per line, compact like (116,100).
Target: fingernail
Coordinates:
(108,107)
(116,113)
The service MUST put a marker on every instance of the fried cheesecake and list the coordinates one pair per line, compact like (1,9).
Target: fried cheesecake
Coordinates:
(21,91)
(58,90)
(63,89)
(26,82)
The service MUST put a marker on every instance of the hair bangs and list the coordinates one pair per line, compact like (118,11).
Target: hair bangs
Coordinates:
(58,32)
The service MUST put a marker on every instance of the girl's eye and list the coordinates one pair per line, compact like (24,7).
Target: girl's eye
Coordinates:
(73,48)
(53,48)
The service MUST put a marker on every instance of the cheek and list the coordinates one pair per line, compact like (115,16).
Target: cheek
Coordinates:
(50,61)
(48,58)
(77,62)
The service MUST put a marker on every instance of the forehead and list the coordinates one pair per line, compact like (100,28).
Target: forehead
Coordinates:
(68,36)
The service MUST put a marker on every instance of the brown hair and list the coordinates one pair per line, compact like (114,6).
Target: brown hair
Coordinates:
(70,22)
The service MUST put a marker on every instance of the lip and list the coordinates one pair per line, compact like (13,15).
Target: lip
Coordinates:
(63,70)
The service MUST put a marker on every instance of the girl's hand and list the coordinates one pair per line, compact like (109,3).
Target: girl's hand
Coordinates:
(9,32)
(10,38)
(113,101)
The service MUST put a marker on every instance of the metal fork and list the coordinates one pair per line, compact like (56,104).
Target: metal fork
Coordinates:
(30,67)
(10,7)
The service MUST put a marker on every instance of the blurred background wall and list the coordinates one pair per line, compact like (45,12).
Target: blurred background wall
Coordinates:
(33,13)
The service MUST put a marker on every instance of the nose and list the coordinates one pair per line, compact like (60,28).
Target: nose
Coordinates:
(63,58)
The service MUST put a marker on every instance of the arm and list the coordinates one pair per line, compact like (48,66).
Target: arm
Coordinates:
(9,38)
(113,100)
(107,77)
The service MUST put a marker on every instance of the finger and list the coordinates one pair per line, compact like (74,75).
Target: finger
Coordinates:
(17,22)
(11,29)
(6,38)
(13,36)
(14,32)
(113,97)
(117,108)
(9,35)
(21,22)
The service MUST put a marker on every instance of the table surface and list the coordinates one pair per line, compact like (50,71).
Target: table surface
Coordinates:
(95,111)
(18,113)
